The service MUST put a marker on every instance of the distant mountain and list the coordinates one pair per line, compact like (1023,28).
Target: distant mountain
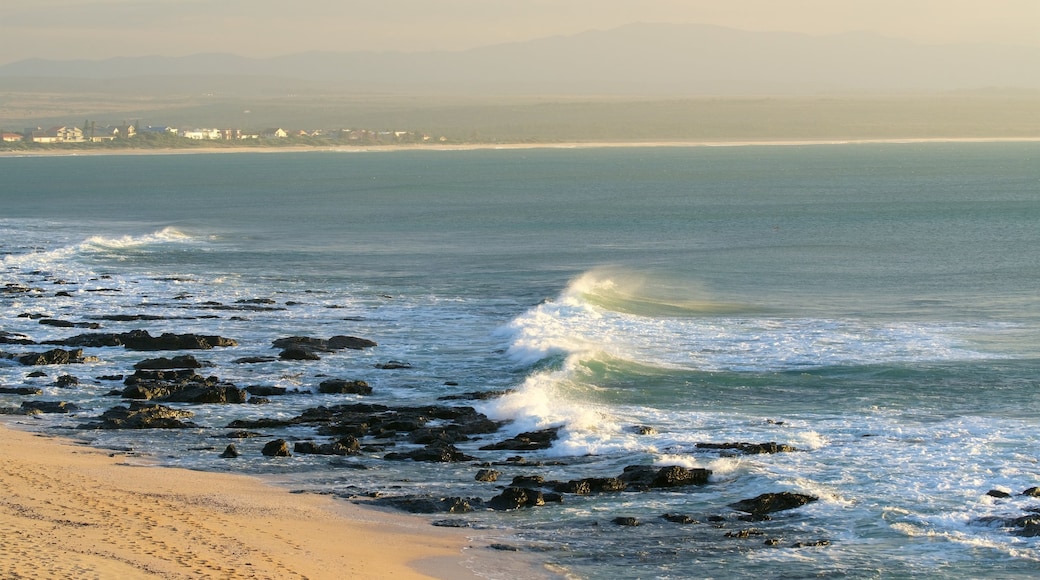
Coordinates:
(638,59)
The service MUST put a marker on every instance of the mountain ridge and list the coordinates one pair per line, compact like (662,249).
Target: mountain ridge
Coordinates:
(640,58)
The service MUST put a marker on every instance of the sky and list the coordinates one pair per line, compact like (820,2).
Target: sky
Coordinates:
(96,29)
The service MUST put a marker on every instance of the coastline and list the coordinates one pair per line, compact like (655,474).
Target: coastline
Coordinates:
(71,511)
(512,146)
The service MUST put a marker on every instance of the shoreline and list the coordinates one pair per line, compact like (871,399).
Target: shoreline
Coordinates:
(71,510)
(512,146)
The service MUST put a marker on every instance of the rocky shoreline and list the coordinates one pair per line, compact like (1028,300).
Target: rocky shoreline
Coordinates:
(160,392)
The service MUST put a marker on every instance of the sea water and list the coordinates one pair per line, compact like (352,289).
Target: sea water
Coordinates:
(874,306)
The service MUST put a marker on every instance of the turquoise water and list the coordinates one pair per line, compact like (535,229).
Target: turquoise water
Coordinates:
(875,306)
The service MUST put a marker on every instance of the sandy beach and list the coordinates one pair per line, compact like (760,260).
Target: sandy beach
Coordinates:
(72,511)
(59,152)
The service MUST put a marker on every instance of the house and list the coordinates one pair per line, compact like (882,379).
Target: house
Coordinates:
(63,134)
(273,134)
(203,134)
(11,137)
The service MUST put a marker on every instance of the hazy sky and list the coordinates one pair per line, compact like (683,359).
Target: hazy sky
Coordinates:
(105,28)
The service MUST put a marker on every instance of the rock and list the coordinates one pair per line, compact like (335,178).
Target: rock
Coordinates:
(996,493)
(515,498)
(1032,492)
(92,340)
(163,363)
(647,477)
(142,416)
(815,544)
(298,354)
(749,448)
(277,448)
(20,391)
(474,395)
(350,342)
(340,386)
(488,475)
(437,453)
(679,519)
(528,481)
(66,381)
(591,485)
(142,340)
(230,452)
(254,360)
(57,323)
(212,394)
(526,441)
(56,407)
(744,534)
(429,505)
(393,365)
(642,430)
(345,446)
(625,521)
(768,503)
(55,356)
(9,338)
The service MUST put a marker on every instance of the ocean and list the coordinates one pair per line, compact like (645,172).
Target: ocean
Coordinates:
(875,307)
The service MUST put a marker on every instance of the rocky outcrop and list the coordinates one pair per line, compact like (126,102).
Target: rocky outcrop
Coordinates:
(749,448)
(276,448)
(142,416)
(162,363)
(644,477)
(529,441)
(591,485)
(340,386)
(345,446)
(768,503)
(513,498)
(58,407)
(437,453)
(55,356)
(181,386)
(142,340)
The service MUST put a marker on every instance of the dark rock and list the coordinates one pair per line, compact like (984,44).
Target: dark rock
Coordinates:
(393,365)
(647,477)
(528,481)
(55,356)
(749,448)
(66,381)
(277,448)
(1032,492)
(9,338)
(258,401)
(142,340)
(345,446)
(350,342)
(340,386)
(679,519)
(130,317)
(110,378)
(428,505)
(488,475)
(526,441)
(642,430)
(998,494)
(36,374)
(212,394)
(591,485)
(625,521)
(57,323)
(162,363)
(230,452)
(57,407)
(241,435)
(20,391)
(515,498)
(744,534)
(768,503)
(254,360)
(503,548)
(298,354)
(816,544)
(142,416)
(442,453)
(93,340)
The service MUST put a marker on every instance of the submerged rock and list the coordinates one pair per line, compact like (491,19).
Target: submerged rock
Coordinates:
(529,441)
(142,416)
(515,498)
(277,448)
(749,448)
(645,477)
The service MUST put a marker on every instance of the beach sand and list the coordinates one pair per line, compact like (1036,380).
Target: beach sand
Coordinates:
(59,152)
(71,511)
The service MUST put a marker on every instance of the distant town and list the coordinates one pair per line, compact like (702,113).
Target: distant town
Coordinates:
(130,135)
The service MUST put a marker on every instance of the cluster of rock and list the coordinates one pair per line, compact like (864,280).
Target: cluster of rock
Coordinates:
(428,433)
